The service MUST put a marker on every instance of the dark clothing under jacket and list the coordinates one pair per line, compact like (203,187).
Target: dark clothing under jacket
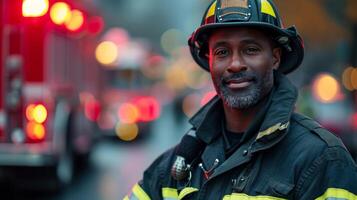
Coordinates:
(282,155)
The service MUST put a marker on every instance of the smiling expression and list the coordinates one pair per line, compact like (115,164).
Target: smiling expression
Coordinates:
(241,62)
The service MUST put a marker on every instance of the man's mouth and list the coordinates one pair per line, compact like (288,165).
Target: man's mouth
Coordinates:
(239,83)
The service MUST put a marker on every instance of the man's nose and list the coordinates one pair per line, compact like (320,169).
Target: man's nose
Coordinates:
(237,64)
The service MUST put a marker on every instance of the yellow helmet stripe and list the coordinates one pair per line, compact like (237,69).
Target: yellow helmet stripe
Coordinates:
(211,10)
(267,8)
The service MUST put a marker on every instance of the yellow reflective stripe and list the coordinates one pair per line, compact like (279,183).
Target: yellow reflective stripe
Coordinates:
(267,8)
(211,10)
(338,194)
(241,196)
(126,198)
(140,193)
(169,193)
(187,191)
(272,129)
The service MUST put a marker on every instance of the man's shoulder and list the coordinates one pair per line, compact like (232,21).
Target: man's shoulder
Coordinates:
(161,165)
(165,159)
(312,132)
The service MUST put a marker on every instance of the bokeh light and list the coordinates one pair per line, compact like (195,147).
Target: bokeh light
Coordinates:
(76,21)
(128,113)
(95,25)
(326,88)
(175,77)
(60,13)
(117,35)
(127,131)
(353,78)
(29,111)
(171,40)
(35,131)
(106,53)
(92,109)
(149,108)
(34,8)
(347,78)
(36,113)
(39,113)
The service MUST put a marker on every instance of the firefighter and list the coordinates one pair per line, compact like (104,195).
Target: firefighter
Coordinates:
(247,142)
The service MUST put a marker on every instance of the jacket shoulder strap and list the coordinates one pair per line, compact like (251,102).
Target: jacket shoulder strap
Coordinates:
(328,137)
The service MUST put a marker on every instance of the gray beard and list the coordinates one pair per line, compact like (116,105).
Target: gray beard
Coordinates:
(246,99)
(238,101)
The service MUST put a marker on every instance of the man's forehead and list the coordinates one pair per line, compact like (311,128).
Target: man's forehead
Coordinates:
(243,33)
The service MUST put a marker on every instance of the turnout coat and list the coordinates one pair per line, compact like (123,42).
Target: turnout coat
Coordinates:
(282,155)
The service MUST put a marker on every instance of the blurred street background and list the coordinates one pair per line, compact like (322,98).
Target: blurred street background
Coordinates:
(92,91)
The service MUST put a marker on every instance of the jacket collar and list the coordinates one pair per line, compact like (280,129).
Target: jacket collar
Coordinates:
(268,127)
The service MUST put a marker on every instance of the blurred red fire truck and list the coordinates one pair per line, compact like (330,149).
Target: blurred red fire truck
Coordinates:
(48,83)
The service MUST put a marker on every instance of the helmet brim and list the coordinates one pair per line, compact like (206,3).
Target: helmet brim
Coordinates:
(292,55)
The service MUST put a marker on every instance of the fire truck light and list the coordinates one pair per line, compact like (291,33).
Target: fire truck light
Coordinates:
(127,132)
(92,110)
(95,25)
(128,113)
(40,113)
(35,131)
(29,112)
(149,108)
(36,113)
(106,53)
(76,21)
(34,8)
(60,13)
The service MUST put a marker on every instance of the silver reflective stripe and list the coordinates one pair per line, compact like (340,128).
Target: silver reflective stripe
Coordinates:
(137,193)
(132,197)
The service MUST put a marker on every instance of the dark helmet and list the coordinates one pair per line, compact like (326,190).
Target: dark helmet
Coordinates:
(261,14)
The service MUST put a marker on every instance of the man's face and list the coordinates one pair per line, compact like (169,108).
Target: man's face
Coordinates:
(241,64)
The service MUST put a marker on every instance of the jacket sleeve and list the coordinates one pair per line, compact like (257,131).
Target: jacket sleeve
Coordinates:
(333,175)
(150,187)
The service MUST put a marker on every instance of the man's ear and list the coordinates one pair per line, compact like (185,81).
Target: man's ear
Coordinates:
(276,57)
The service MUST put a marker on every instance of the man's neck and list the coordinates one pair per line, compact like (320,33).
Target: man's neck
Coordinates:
(238,120)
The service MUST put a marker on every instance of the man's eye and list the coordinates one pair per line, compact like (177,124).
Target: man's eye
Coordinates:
(252,50)
(221,52)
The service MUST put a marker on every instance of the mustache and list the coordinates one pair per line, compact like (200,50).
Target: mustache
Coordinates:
(241,75)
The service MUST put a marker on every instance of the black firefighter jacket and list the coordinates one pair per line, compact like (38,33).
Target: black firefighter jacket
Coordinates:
(283,155)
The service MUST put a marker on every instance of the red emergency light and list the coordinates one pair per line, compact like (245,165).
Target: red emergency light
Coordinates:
(92,110)
(34,8)
(95,25)
(36,115)
(128,113)
(149,108)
